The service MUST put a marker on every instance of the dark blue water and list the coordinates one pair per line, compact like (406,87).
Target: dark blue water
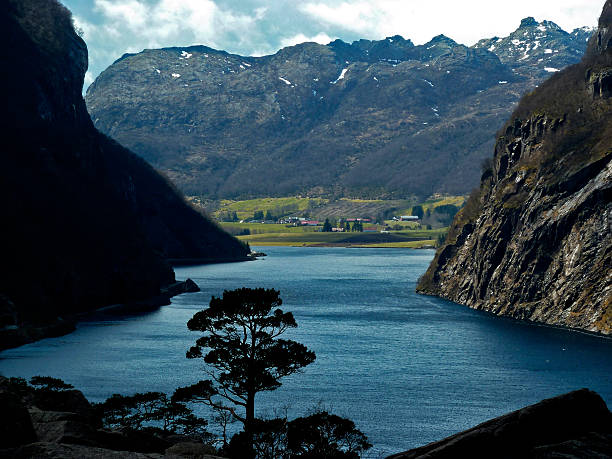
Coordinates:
(408,369)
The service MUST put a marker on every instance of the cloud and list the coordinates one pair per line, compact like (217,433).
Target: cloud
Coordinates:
(257,27)
(466,21)
(321,38)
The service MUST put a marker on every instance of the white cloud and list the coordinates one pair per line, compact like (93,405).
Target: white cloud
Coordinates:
(259,27)
(466,21)
(321,38)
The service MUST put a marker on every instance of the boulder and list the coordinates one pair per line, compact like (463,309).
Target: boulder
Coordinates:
(15,425)
(191,450)
(62,451)
(565,426)
(62,427)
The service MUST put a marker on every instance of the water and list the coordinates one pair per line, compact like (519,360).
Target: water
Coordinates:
(408,369)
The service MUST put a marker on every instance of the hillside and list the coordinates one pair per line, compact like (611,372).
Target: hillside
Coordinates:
(86,223)
(371,119)
(534,242)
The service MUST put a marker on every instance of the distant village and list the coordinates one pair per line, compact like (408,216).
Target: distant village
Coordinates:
(341,225)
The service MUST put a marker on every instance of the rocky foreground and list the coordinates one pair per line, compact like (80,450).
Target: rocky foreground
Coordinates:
(535,241)
(47,423)
(574,425)
(63,424)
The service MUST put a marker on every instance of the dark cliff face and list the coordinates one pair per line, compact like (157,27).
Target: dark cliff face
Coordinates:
(85,222)
(534,242)
(358,119)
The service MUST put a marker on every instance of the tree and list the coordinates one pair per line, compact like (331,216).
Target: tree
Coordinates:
(320,435)
(327,226)
(418,211)
(245,355)
(258,215)
(269,216)
(151,410)
(347,227)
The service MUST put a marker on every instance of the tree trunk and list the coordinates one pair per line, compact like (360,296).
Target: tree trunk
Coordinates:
(250,411)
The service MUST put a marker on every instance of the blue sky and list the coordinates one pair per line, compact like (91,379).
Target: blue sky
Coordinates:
(257,27)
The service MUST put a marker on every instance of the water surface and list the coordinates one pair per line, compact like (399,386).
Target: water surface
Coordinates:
(408,369)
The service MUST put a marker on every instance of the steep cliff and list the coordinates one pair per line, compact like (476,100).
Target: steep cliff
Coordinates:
(85,222)
(356,119)
(534,242)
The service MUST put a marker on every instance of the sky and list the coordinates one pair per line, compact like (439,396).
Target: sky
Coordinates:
(259,27)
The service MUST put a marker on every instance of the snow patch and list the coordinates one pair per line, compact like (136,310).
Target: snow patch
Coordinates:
(551,69)
(516,42)
(492,48)
(375,79)
(176,75)
(287,82)
(429,83)
(548,51)
(186,55)
(541,28)
(158,71)
(341,77)
(246,64)
(503,82)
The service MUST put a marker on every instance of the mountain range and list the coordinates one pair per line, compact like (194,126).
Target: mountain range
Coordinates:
(383,119)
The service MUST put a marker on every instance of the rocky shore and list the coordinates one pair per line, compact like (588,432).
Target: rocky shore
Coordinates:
(15,335)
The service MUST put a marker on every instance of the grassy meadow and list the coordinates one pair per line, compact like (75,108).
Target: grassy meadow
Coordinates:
(388,233)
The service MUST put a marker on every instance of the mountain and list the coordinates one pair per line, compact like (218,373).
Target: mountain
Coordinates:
(535,50)
(534,241)
(85,222)
(371,118)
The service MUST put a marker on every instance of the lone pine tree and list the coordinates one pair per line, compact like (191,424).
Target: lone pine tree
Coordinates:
(245,355)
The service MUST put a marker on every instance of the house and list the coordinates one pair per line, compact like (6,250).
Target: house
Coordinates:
(409,218)
(310,222)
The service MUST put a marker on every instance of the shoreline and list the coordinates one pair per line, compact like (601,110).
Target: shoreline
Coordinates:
(16,336)
(392,245)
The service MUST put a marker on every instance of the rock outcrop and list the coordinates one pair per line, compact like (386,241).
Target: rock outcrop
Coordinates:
(574,425)
(85,222)
(535,241)
(357,119)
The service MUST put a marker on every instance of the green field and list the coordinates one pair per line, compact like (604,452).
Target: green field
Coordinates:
(277,206)
(402,234)
(320,209)
(413,239)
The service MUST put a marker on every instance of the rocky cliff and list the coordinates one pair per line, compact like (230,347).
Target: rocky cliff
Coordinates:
(534,242)
(573,425)
(85,222)
(343,119)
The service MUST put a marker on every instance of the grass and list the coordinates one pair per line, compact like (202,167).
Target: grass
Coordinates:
(259,228)
(410,239)
(245,209)
(433,203)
